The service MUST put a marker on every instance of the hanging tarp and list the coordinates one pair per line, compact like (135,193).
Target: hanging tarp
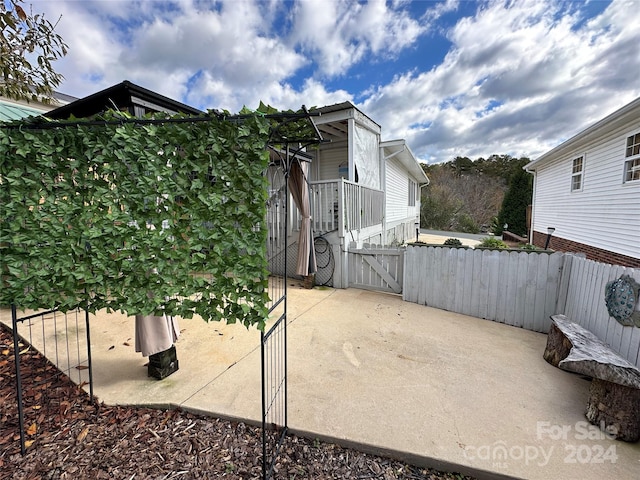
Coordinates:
(366,157)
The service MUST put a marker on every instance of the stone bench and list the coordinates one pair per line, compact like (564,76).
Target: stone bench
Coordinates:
(614,394)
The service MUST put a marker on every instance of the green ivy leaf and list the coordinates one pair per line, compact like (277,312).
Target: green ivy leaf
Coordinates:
(165,217)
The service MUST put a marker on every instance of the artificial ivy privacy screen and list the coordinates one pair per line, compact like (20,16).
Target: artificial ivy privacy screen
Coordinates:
(144,218)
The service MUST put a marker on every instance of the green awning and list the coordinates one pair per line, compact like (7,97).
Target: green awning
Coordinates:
(9,112)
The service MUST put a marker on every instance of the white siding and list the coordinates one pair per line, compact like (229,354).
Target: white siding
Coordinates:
(606,212)
(397,199)
(397,193)
(399,216)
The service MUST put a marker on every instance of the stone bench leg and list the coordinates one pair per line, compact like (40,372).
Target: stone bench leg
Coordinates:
(615,409)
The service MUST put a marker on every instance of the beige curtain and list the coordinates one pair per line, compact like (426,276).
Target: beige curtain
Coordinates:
(306,263)
(155,334)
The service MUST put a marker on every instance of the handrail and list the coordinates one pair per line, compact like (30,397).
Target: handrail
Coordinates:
(342,205)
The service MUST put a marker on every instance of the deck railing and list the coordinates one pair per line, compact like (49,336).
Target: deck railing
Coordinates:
(343,206)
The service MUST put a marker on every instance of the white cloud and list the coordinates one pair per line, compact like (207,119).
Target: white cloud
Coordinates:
(540,72)
(226,54)
(519,77)
(312,94)
(226,49)
(339,34)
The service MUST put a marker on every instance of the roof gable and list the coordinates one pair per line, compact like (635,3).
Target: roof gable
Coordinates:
(400,150)
(122,96)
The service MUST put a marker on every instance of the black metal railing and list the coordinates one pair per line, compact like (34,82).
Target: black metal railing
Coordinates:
(274,337)
(63,343)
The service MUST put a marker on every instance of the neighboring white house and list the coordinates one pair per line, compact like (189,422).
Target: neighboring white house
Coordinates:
(588,189)
(363,190)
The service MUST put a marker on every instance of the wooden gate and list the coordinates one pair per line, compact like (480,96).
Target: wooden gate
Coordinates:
(373,268)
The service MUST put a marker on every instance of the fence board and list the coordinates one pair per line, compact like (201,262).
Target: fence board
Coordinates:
(450,267)
(606,330)
(475,268)
(511,264)
(459,280)
(532,292)
(633,352)
(467,280)
(482,283)
(557,263)
(563,290)
(425,266)
(585,305)
(493,280)
(587,294)
(540,288)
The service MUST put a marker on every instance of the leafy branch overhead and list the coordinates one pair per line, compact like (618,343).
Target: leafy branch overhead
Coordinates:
(143,218)
(28,47)
(288,126)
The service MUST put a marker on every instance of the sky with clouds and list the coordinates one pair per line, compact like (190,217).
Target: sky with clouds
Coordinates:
(467,78)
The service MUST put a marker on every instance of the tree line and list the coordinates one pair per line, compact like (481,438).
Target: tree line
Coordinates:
(477,196)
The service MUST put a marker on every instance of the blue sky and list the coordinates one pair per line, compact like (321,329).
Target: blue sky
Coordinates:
(467,78)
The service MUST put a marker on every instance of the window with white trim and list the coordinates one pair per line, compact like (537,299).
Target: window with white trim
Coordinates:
(632,159)
(412,193)
(577,170)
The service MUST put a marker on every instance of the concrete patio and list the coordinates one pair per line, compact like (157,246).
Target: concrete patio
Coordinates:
(369,370)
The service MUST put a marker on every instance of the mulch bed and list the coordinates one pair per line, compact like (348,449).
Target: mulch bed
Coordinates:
(68,437)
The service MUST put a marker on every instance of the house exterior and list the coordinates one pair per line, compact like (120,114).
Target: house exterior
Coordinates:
(363,190)
(125,96)
(588,190)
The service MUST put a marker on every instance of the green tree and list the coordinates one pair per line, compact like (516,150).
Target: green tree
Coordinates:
(28,48)
(461,165)
(515,203)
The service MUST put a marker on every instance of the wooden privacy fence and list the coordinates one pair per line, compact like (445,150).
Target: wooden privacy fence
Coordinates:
(522,289)
(584,304)
(516,288)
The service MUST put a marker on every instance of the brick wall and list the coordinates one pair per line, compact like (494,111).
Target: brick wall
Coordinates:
(593,253)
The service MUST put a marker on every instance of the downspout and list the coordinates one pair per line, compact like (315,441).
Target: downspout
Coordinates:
(533,203)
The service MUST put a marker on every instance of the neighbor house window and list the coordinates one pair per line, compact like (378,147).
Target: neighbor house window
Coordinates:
(412,193)
(632,159)
(577,170)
